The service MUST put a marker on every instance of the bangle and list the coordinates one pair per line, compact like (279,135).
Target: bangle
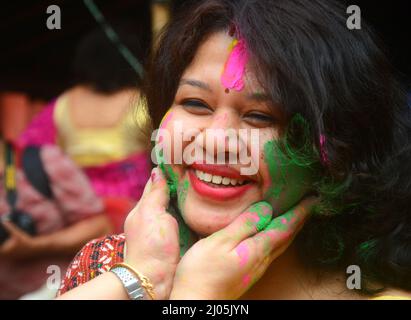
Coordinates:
(145,282)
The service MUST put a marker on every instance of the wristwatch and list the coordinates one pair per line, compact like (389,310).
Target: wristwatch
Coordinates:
(131,283)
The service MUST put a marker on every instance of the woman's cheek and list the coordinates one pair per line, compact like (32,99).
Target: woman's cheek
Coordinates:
(168,149)
(285,183)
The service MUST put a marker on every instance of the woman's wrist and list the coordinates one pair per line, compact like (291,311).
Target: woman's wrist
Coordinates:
(160,280)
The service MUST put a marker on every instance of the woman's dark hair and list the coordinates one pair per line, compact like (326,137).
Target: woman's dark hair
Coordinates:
(339,81)
(99,64)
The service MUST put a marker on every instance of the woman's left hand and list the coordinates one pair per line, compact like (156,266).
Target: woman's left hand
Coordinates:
(227,263)
(19,245)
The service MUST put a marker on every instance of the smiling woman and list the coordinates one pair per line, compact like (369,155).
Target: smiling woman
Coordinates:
(334,146)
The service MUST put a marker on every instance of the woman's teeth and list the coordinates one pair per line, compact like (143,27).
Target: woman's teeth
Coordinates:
(207,177)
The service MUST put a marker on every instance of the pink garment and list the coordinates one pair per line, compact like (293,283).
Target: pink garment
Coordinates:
(124,178)
(73,200)
(41,130)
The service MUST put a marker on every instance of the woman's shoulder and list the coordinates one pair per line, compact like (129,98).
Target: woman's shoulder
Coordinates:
(95,258)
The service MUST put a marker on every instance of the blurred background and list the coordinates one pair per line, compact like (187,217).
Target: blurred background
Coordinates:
(74,155)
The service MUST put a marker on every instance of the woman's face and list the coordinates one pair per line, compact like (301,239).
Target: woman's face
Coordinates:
(210,196)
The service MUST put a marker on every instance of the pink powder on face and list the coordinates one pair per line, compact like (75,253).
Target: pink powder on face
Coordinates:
(242,252)
(167,117)
(235,67)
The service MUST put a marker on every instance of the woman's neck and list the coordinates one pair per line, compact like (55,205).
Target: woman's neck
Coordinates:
(287,278)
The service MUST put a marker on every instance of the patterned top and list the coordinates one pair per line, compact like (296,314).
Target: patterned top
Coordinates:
(99,255)
(96,257)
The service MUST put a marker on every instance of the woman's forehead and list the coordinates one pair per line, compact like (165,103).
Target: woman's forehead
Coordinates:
(210,61)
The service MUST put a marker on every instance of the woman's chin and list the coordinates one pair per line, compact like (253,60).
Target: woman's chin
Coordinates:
(204,230)
(206,224)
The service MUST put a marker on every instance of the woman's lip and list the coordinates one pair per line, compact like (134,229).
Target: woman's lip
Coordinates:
(220,170)
(217,193)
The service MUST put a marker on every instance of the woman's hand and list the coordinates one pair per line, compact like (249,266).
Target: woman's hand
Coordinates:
(152,240)
(227,263)
(19,246)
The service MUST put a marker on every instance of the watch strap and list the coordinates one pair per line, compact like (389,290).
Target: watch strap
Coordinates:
(131,283)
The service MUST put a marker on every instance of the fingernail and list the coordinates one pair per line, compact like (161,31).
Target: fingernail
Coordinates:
(264,211)
(155,176)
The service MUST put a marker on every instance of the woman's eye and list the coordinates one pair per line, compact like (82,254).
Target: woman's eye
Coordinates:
(196,106)
(259,119)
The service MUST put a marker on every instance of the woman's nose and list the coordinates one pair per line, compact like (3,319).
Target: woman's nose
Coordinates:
(220,138)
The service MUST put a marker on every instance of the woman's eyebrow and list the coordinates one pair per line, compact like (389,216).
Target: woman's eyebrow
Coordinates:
(195,83)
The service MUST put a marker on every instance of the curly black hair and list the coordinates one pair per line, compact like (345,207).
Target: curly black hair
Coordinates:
(341,83)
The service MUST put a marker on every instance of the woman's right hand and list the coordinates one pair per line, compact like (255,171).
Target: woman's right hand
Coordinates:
(227,263)
(152,240)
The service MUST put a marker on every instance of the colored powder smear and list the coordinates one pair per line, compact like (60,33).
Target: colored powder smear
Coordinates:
(291,161)
(243,253)
(235,67)
(182,194)
(185,233)
(166,168)
(284,223)
(263,210)
(172,182)
(167,117)
(276,162)
(246,280)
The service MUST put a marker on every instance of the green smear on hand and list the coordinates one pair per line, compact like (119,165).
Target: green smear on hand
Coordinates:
(278,223)
(264,216)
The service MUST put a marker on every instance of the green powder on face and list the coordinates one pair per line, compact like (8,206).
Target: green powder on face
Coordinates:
(168,172)
(185,233)
(174,208)
(177,198)
(182,194)
(291,166)
(185,238)
(276,162)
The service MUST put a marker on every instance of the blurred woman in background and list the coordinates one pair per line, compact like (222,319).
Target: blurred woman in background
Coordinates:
(95,124)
